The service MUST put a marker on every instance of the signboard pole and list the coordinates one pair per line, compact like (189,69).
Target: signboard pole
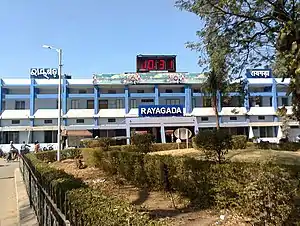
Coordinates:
(187,138)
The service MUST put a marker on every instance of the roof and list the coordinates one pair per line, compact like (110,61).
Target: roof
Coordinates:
(203,111)
(80,113)
(233,111)
(15,114)
(261,111)
(46,113)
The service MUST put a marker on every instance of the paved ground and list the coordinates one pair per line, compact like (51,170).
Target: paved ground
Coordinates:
(8,209)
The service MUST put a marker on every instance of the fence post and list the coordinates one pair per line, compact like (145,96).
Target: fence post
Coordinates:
(30,195)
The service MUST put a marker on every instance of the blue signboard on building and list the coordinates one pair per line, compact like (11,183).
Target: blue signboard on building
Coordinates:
(160,110)
(44,73)
(259,73)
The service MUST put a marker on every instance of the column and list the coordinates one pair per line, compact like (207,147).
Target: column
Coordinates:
(126,100)
(188,98)
(96,105)
(65,99)
(219,105)
(1,100)
(274,101)
(128,131)
(32,101)
(246,98)
(196,129)
(162,133)
(156,91)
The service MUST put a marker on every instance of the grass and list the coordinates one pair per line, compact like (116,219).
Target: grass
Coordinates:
(245,155)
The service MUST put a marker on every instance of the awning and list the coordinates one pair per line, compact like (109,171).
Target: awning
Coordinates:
(78,133)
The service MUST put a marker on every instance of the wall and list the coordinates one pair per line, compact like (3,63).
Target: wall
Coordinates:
(45,104)
(7,122)
(19,90)
(240,118)
(86,122)
(163,100)
(47,90)
(10,104)
(40,122)
(211,119)
(82,102)
(268,118)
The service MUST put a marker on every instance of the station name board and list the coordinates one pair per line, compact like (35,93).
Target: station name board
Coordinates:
(259,73)
(44,73)
(160,110)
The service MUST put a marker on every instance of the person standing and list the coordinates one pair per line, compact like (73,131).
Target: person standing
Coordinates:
(36,146)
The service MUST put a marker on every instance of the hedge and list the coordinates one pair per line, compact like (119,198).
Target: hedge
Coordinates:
(288,146)
(239,142)
(51,156)
(263,192)
(80,203)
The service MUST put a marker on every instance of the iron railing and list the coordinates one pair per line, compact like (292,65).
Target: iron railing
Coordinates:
(47,212)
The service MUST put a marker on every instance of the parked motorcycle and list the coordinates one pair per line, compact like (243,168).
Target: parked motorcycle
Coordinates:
(49,147)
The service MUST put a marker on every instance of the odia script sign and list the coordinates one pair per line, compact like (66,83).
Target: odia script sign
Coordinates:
(160,110)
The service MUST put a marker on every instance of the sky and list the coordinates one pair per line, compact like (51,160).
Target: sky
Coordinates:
(96,36)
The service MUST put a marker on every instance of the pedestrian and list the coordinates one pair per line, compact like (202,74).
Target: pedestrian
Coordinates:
(36,146)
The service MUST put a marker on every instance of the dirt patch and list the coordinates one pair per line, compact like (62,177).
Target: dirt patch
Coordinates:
(161,205)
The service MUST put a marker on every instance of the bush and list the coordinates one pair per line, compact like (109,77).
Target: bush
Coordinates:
(288,146)
(239,142)
(103,142)
(98,209)
(215,144)
(51,156)
(249,188)
(143,142)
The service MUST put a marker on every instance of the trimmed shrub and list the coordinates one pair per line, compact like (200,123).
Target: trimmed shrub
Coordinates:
(51,156)
(262,191)
(98,209)
(288,146)
(239,142)
(215,144)
(143,142)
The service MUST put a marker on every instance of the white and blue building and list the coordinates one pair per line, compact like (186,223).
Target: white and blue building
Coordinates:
(114,105)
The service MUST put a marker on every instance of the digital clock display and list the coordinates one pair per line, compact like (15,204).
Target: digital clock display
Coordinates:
(147,63)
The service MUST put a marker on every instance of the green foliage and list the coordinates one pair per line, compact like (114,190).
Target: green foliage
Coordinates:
(288,146)
(263,192)
(253,31)
(98,209)
(215,144)
(51,156)
(143,142)
(103,142)
(239,142)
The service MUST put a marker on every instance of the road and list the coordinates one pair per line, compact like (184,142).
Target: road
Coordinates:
(8,209)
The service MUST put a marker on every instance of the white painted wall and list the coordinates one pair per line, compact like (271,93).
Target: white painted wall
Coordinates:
(240,118)
(10,104)
(82,102)
(75,90)
(72,122)
(118,121)
(211,119)
(45,104)
(40,122)
(47,90)
(175,88)
(268,118)
(146,88)
(19,90)
(118,89)
(163,100)
(7,122)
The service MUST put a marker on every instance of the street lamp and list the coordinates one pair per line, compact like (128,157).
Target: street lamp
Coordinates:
(59,51)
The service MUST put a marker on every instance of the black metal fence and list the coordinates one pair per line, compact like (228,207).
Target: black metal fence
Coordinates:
(46,210)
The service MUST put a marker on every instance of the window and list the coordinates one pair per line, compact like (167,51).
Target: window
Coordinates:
(79,121)
(103,104)
(261,117)
(172,102)
(3,105)
(74,104)
(140,91)
(169,91)
(196,91)
(294,127)
(81,91)
(133,103)
(204,118)
(111,120)
(206,102)
(285,101)
(147,100)
(11,136)
(119,103)
(19,105)
(270,101)
(111,91)
(50,136)
(233,118)
(90,104)
(16,121)
(56,104)
(48,121)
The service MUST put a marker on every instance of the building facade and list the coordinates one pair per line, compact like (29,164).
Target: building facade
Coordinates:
(107,106)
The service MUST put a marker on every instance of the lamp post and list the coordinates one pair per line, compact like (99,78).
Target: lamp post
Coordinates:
(59,51)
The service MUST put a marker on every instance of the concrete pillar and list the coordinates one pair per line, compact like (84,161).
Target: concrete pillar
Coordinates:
(128,135)
(32,101)
(96,105)
(162,133)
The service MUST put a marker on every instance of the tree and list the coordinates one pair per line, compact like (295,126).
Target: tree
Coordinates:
(215,144)
(216,82)
(259,33)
